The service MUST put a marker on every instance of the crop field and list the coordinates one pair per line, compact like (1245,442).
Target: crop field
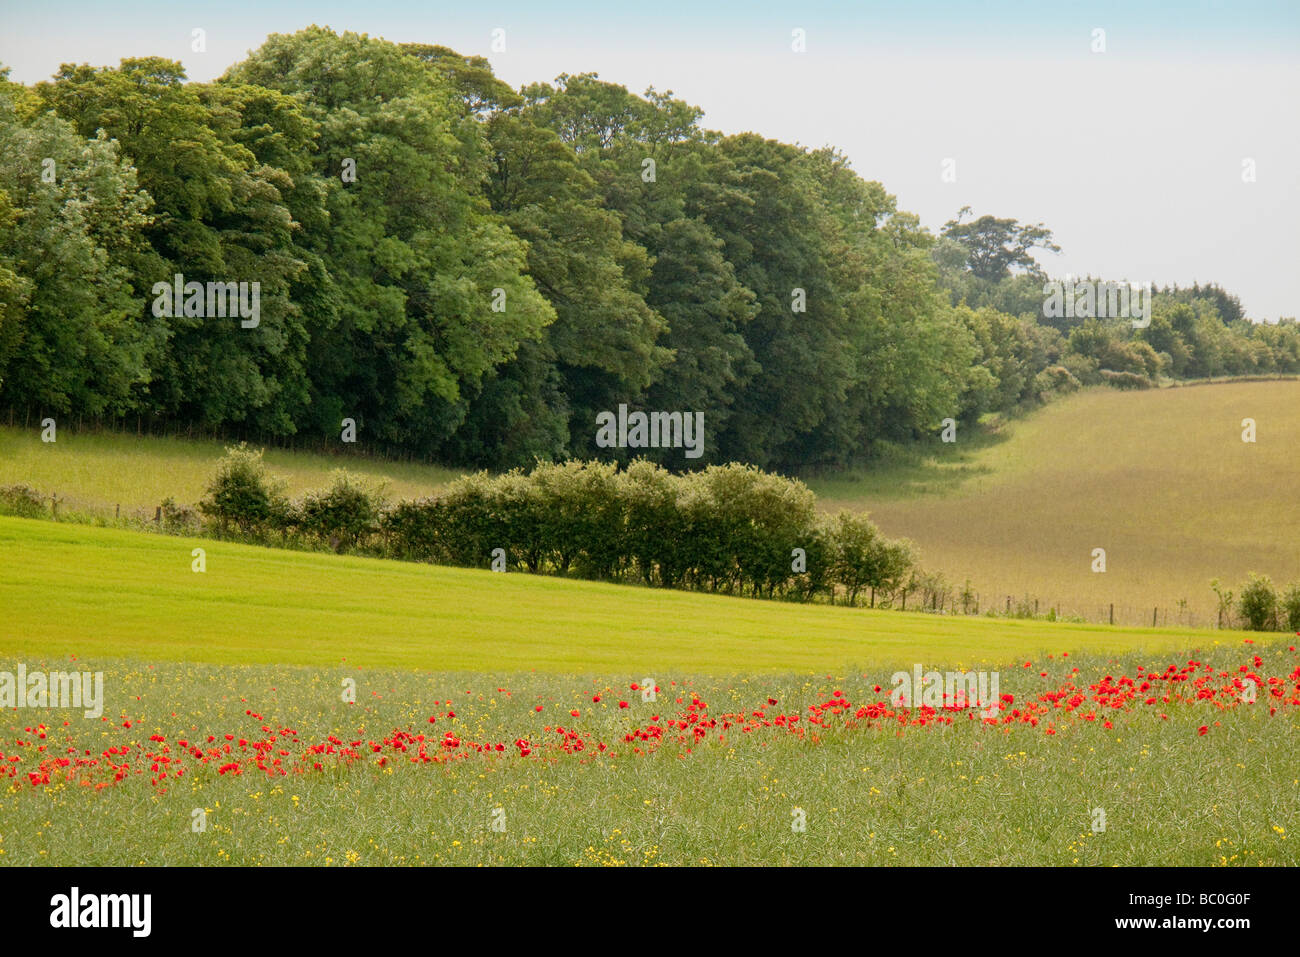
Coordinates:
(1088,760)
(104,470)
(284,707)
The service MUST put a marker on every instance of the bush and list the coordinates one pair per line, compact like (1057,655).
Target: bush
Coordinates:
(1125,380)
(725,528)
(654,526)
(1289,609)
(345,515)
(469,524)
(1055,380)
(243,493)
(178,519)
(413,530)
(22,501)
(1258,603)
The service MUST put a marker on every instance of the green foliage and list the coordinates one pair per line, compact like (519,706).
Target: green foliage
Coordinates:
(474,273)
(1258,603)
(344,515)
(729,528)
(1289,608)
(178,519)
(244,494)
(22,501)
(993,247)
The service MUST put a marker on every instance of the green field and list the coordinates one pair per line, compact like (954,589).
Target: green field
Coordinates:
(1179,782)
(209,677)
(95,592)
(1160,479)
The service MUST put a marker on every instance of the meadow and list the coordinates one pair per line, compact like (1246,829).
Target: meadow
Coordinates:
(1169,762)
(1160,479)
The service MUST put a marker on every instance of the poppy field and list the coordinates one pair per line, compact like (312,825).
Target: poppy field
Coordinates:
(1142,758)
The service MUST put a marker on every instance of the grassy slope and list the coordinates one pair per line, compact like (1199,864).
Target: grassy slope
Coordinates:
(106,469)
(1159,479)
(92,592)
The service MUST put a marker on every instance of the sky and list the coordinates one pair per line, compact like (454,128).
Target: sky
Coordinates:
(1165,149)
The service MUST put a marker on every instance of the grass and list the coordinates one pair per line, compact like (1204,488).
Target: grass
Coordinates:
(259,646)
(87,591)
(957,794)
(1160,479)
(105,469)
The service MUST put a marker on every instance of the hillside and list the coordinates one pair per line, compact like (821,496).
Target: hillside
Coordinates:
(123,593)
(1158,478)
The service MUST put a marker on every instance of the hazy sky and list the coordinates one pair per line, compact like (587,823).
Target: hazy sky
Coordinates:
(1133,156)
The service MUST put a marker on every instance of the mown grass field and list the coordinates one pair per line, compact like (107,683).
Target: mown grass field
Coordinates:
(1160,479)
(94,592)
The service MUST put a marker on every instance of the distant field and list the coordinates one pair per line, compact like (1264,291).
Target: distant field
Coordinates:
(93,592)
(1160,479)
(138,472)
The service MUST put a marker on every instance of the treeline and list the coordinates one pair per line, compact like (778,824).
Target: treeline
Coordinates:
(473,273)
(731,528)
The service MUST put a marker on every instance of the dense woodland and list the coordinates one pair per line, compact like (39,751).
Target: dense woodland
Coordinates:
(472,273)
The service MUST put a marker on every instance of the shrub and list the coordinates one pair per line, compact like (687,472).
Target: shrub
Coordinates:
(518,510)
(413,530)
(1125,380)
(1055,380)
(178,519)
(1258,603)
(21,500)
(469,524)
(242,492)
(654,526)
(345,515)
(856,547)
(1289,609)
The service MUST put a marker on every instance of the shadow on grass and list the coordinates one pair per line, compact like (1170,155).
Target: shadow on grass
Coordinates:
(905,472)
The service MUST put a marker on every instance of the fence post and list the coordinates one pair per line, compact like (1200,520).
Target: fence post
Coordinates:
(1008,604)
(1112,613)
(117,510)
(54,506)
(1154,612)
(157,515)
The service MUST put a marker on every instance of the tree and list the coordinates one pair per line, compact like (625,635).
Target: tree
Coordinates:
(72,336)
(994,246)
